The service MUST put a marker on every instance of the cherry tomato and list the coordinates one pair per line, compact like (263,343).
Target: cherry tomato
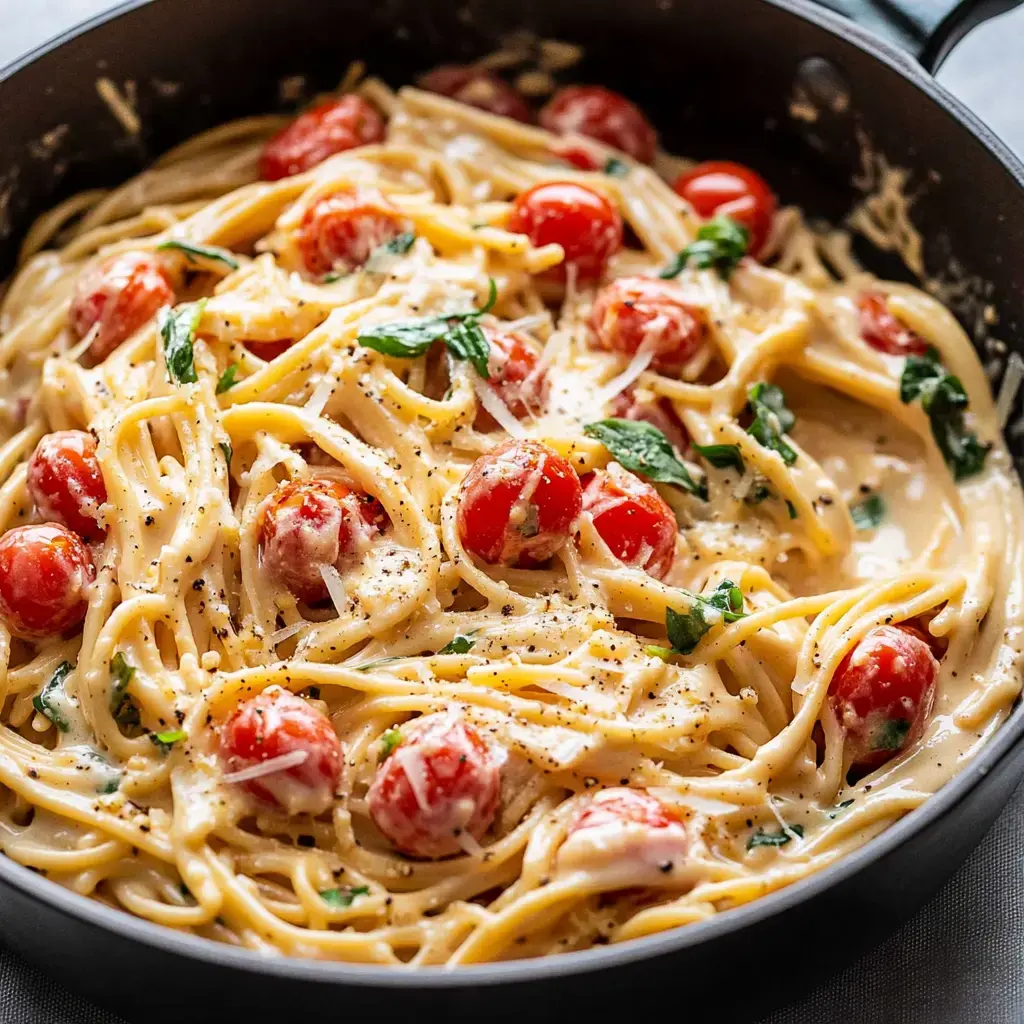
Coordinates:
(479,88)
(601,114)
(268,350)
(312,137)
(882,693)
(65,481)
(632,519)
(636,311)
(340,230)
(45,572)
(275,723)
(719,187)
(514,377)
(115,299)
(576,156)
(620,804)
(881,330)
(517,504)
(306,524)
(442,781)
(583,222)
(659,412)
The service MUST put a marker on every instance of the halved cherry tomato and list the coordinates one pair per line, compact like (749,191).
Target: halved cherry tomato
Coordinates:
(619,804)
(312,137)
(65,481)
(477,87)
(583,222)
(268,350)
(601,114)
(45,572)
(576,156)
(306,524)
(719,187)
(115,299)
(659,412)
(339,231)
(514,377)
(882,693)
(632,519)
(272,724)
(517,504)
(441,783)
(881,330)
(635,311)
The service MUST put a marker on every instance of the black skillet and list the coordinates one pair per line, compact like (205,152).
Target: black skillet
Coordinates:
(717,77)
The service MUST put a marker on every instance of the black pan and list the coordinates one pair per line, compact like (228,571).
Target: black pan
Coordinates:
(717,77)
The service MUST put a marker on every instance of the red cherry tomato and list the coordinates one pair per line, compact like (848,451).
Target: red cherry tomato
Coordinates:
(115,299)
(632,519)
(514,377)
(517,504)
(340,230)
(659,412)
(312,137)
(306,524)
(441,783)
(277,723)
(44,574)
(479,88)
(65,481)
(583,222)
(719,187)
(882,693)
(268,350)
(576,156)
(601,114)
(636,311)
(618,805)
(881,330)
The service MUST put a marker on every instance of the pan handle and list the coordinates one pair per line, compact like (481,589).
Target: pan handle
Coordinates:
(927,29)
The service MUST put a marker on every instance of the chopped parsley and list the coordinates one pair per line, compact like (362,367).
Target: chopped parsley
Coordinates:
(343,897)
(178,333)
(166,739)
(48,701)
(197,251)
(780,838)
(892,735)
(686,629)
(388,742)
(227,379)
(459,644)
(616,168)
(721,243)
(867,514)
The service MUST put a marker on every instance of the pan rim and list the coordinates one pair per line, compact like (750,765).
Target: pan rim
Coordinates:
(998,749)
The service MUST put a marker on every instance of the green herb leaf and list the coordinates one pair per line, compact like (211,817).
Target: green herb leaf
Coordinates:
(166,739)
(112,785)
(343,897)
(377,661)
(459,644)
(643,448)
(834,813)
(721,243)
(121,706)
(721,456)
(332,276)
(178,331)
(686,629)
(771,420)
(792,509)
(197,251)
(759,491)
(616,168)
(728,599)
(656,651)
(492,298)
(780,838)
(47,701)
(380,257)
(227,379)
(388,742)
(891,735)
(467,341)
(228,451)
(867,514)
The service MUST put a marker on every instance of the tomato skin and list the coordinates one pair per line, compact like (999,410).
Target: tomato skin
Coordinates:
(882,693)
(45,572)
(117,298)
(658,411)
(517,504)
(601,114)
(632,519)
(620,804)
(456,787)
(583,222)
(277,722)
(305,524)
(722,188)
(633,311)
(269,350)
(514,377)
(477,87)
(65,482)
(883,331)
(340,230)
(312,137)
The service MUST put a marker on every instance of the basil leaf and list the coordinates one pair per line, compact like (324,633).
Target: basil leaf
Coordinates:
(721,243)
(460,644)
(780,838)
(166,739)
(728,599)
(196,250)
(616,168)
(643,448)
(891,735)
(405,339)
(722,456)
(47,701)
(178,331)
(686,629)
(389,741)
(467,341)
(120,702)
(771,420)
(228,451)
(492,298)
(343,897)
(867,514)
(398,246)
(657,651)
(227,379)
